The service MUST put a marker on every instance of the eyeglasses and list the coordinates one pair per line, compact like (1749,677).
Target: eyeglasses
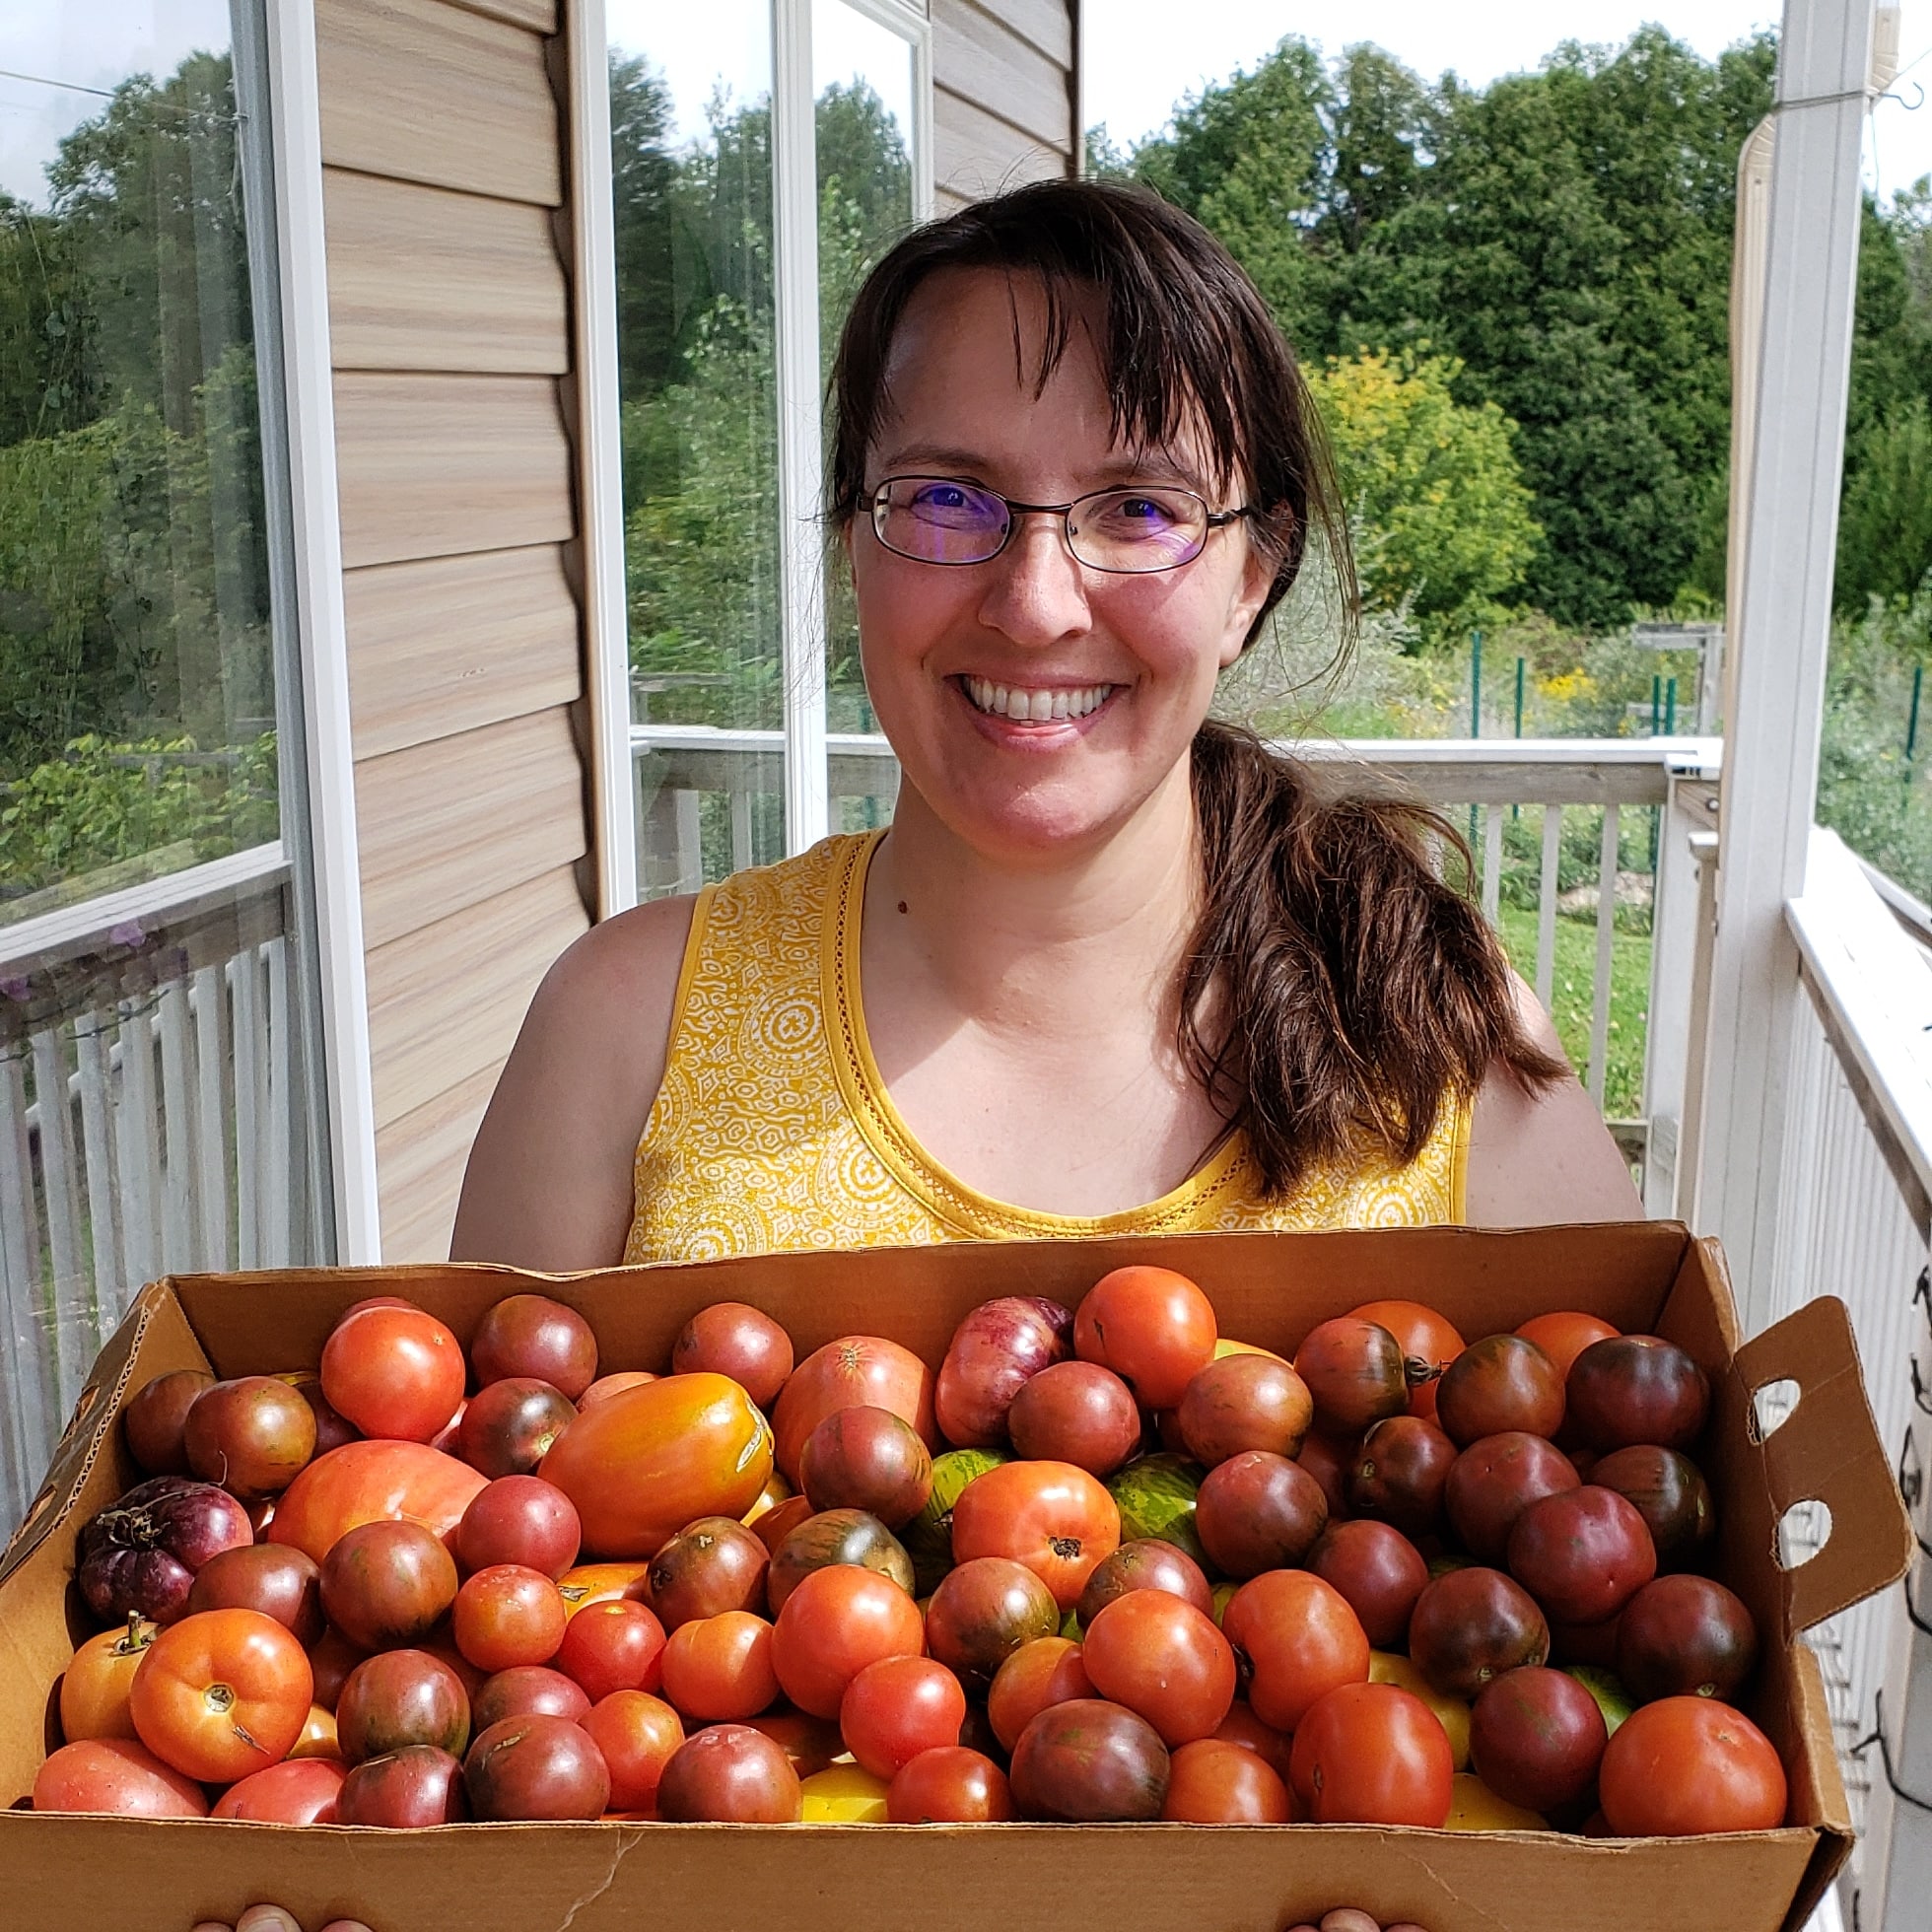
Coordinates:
(938,520)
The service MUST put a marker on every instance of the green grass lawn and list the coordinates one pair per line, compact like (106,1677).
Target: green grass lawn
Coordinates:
(1575,975)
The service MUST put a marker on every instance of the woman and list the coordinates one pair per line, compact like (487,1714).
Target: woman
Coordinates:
(1114,968)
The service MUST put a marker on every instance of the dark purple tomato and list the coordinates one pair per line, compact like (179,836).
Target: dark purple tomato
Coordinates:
(519,1519)
(982,1611)
(524,1690)
(400,1698)
(254,1435)
(1258,1512)
(830,1538)
(1355,1374)
(999,1346)
(1145,1564)
(730,1775)
(1535,1737)
(1328,1458)
(139,1556)
(1473,1625)
(531,1334)
(1500,1383)
(1669,1492)
(1077,1413)
(1686,1636)
(1379,1572)
(404,1789)
(536,1767)
(332,1427)
(869,1459)
(274,1578)
(1090,1761)
(508,1427)
(1638,1388)
(731,1337)
(1243,1402)
(708,1567)
(154,1418)
(1399,1473)
(1581,1553)
(1494,1481)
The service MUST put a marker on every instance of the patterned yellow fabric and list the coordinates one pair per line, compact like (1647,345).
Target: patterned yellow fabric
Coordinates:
(773,1128)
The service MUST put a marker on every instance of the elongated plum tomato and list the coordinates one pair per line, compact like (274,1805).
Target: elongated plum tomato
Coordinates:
(372,1483)
(857,1370)
(1153,1328)
(115,1774)
(1371,1753)
(1053,1517)
(296,1791)
(394,1372)
(649,1460)
(222,1693)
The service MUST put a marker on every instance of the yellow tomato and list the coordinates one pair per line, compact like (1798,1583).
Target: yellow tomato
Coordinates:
(1474,1807)
(600,1583)
(317,1739)
(1224,1347)
(1385,1667)
(843,1794)
(775,1490)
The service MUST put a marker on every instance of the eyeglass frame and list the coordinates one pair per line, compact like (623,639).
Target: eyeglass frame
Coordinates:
(1212,520)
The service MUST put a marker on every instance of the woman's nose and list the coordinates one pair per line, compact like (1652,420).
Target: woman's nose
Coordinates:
(1038,593)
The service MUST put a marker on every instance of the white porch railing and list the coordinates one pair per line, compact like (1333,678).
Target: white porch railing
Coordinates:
(149,1120)
(706,798)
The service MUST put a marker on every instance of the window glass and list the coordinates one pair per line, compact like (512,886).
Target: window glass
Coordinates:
(691,127)
(136,678)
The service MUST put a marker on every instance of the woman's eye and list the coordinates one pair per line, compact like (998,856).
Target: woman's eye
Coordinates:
(941,496)
(1139,515)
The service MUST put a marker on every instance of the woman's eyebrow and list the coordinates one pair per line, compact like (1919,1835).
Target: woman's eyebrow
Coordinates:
(947,459)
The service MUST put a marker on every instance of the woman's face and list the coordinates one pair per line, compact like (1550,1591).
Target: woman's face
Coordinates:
(941,643)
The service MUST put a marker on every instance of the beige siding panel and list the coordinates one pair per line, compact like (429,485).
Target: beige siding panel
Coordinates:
(447,825)
(420,1161)
(539,16)
(458,643)
(431,465)
(429,92)
(973,154)
(425,278)
(1047,23)
(975,56)
(446,1003)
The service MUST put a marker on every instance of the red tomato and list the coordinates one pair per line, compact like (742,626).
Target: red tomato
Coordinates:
(1053,1517)
(222,1693)
(508,1615)
(1301,1642)
(1373,1754)
(856,1371)
(1046,1670)
(613,1645)
(94,1691)
(950,1785)
(296,1791)
(835,1623)
(1564,1336)
(637,1734)
(1241,1726)
(1424,1336)
(115,1774)
(1164,1660)
(372,1483)
(898,1707)
(394,1372)
(645,1462)
(1153,1328)
(1687,1765)
(1211,1782)
(719,1668)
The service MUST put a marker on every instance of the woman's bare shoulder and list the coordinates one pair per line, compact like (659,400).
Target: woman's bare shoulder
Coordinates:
(549,1178)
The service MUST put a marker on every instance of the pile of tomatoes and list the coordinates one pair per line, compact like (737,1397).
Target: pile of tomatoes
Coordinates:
(1105,1564)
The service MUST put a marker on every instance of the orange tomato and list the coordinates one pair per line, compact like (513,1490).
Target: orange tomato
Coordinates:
(1053,1517)
(318,1738)
(373,1482)
(1688,1765)
(835,1623)
(222,1693)
(1164,1660)
(1424,1336)
(719,1668)
(1301,1642)
(1211,1782)
(645,1462)
(1372,1753)
(394,1372)
(1153,1328)
(1564,1336)
(1046,1670)
(602,1583)
(508,1615)
(94,1691)
(637,1734)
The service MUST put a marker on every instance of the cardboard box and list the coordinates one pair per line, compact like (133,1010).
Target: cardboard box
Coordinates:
(60,1873)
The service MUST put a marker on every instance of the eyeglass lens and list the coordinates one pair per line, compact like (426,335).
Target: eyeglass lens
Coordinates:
(941,521)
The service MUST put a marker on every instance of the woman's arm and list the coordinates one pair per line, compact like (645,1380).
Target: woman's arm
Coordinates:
(549,1182)
(1542,1157)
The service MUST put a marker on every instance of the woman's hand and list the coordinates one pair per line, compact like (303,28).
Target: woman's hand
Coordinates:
(1346,1918)
(274,1919)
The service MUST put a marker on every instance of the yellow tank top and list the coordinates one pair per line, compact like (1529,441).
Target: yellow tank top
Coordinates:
(773,1128)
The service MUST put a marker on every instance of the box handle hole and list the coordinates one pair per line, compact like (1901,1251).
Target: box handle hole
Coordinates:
(1772,1406)
(1802,1532)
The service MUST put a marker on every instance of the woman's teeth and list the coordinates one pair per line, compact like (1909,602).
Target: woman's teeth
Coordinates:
(1035,707)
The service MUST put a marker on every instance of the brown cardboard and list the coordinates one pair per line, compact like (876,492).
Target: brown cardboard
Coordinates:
(1269,1288)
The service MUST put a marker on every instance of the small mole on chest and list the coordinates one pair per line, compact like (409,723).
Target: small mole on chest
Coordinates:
(902,905)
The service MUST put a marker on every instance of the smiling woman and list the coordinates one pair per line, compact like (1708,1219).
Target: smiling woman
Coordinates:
(1114,968)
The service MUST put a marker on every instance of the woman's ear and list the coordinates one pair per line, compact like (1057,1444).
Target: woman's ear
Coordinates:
(1256,579)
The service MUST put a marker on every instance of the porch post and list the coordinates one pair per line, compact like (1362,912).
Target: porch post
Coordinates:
(1790,531)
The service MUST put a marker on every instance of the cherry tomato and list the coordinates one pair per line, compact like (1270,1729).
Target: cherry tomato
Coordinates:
(720,1667)
(1046,1670)
(393,1372)
(835,1623)
(115,1774)
(614,1645)
(1164,1659)
(949,1785)
(1053,1517)
(1153,1328)
(222,1693)
(1300,1638)
(1687,1765)
(1371,1753)
(508,1615)
(897,1708)
(637,1734)
(1211,1781)
(94,1691)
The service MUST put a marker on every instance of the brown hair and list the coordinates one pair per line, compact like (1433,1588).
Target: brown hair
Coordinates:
(1335,989)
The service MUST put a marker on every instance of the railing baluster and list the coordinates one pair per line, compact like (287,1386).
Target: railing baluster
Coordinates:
(280,1061)
(245,989)
(740,827)
(211,1117)
(98,1149)
(178,1230)
(1546,907)
(19,1275)
(1606,933)
(690,842)
(65,1297)
(137,1137)
(1493,863)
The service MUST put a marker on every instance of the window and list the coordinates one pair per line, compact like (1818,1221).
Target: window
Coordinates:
(755,183)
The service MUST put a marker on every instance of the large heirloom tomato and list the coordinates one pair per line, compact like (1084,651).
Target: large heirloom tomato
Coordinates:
(373,1482)
(221,1694)
(641,1465)
(115,1774)
(1053,1517)
(856,1372)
